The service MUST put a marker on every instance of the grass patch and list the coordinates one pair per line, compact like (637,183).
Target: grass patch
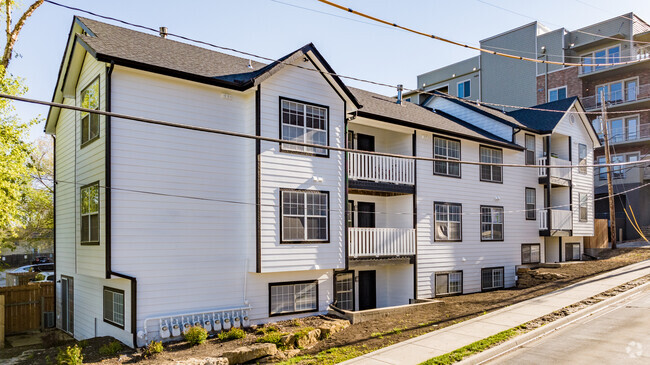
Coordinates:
(394,331)
(233,334)
(274,338)
(473,348)
(331,356)
(267,329)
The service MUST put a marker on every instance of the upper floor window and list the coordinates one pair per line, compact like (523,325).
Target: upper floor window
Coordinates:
(90,121)
(584,203)
(618,91)
(489,172)
(582,158)
(557,94)
(464,89)
(530,149)
(600,57)
(531,203)
(304,216)
(448,223)
(491,223)
(448,149)
(90,214)
(618,172)
(304,123)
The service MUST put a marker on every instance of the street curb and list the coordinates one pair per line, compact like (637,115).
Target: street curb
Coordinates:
(520,340)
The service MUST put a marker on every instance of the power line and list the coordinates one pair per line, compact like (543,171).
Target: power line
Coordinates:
(249,54)
(284,141)
(501,54)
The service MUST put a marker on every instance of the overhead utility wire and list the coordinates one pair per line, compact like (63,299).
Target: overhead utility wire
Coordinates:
(528,59)
(228,201)
(284,141)
(316,70)
(559,25)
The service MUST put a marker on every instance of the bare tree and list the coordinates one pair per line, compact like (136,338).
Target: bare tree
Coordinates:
(12,30)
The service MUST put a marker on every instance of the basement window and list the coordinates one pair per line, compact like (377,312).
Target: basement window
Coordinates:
(114,306)
(296,297)
(448,283)
(492,278)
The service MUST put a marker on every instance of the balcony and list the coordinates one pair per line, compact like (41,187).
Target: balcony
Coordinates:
(372,172)
(365,243)
(559,176)
(561,220)
(638,54)
(627,134)
(619,95)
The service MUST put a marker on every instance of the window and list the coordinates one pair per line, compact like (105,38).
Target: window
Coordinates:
(530,149)
(530,253)
(90,121)
(557,94)
(448,149)
(491,173)
(304,123)
(90,214)
(448,223)
(464,89)
(531,197)
(600,57)
(618,172)
(618,91)
(295,297)
(624,129)
(449,283)
(349,214)
(584,201)
(572,251)
(582,158)
(491,223)
(304,216)
(492,278)
(114,306)
(344,288)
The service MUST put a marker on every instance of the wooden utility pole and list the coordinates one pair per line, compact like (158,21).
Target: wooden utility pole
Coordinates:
(608,160)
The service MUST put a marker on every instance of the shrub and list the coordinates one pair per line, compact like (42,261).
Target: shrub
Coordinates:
(274,338)
(110,348)
(39,277)
(70,356)
(267,329)
(152,348)
(196,335)
(233,334)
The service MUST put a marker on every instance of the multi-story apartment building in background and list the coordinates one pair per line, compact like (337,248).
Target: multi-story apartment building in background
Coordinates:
(626,89)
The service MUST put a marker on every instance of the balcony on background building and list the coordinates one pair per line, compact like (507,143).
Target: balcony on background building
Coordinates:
(368,243)
(638,54)
(627,134)
(626,93)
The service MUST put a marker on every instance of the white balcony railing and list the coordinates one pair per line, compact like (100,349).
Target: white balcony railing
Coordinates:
(617,93)
(378,242)
(560,219)
(562,173)
(375,168)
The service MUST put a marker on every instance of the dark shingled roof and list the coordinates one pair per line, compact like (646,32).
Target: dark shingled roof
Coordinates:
(153,53)
(385,108)
(540,120)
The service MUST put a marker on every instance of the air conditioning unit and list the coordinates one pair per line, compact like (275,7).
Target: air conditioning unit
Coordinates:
(49,320)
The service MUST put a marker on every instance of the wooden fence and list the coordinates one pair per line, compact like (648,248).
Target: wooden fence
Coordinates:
(24,307)
(600,240)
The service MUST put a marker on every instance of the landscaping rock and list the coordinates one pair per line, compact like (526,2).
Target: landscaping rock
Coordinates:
(291,353)
(330,328)
(244,354)
(309,338)
(288,340)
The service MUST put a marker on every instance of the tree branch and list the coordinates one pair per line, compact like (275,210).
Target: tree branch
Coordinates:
(13,35)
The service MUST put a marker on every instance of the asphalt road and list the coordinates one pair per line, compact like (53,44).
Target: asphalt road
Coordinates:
(619,334)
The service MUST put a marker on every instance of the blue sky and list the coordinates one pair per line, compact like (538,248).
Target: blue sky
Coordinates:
(272,28)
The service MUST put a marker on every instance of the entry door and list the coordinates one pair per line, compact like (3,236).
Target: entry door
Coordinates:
(67,304)
(365,142)
(366,215)
(367,290)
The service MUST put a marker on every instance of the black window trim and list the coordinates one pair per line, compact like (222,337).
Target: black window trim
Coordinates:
(99,107)
(479,158)
(434,221)
(315,281)
(99,224)
(329,209)
(354,290)
(435,279)
(481,223)
(522,253)
(460,155)
(534,218)
(119,291)
(534,150)
(327,154)
(503,278)
(565,251)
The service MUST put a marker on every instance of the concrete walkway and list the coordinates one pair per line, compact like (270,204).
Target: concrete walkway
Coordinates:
(422,348)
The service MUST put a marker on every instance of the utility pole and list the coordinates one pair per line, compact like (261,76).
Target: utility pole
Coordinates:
(608,160)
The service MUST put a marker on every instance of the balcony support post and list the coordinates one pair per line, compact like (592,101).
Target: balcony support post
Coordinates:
(548,183)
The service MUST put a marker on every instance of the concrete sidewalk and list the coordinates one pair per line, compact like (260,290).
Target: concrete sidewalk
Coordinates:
(422,348)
